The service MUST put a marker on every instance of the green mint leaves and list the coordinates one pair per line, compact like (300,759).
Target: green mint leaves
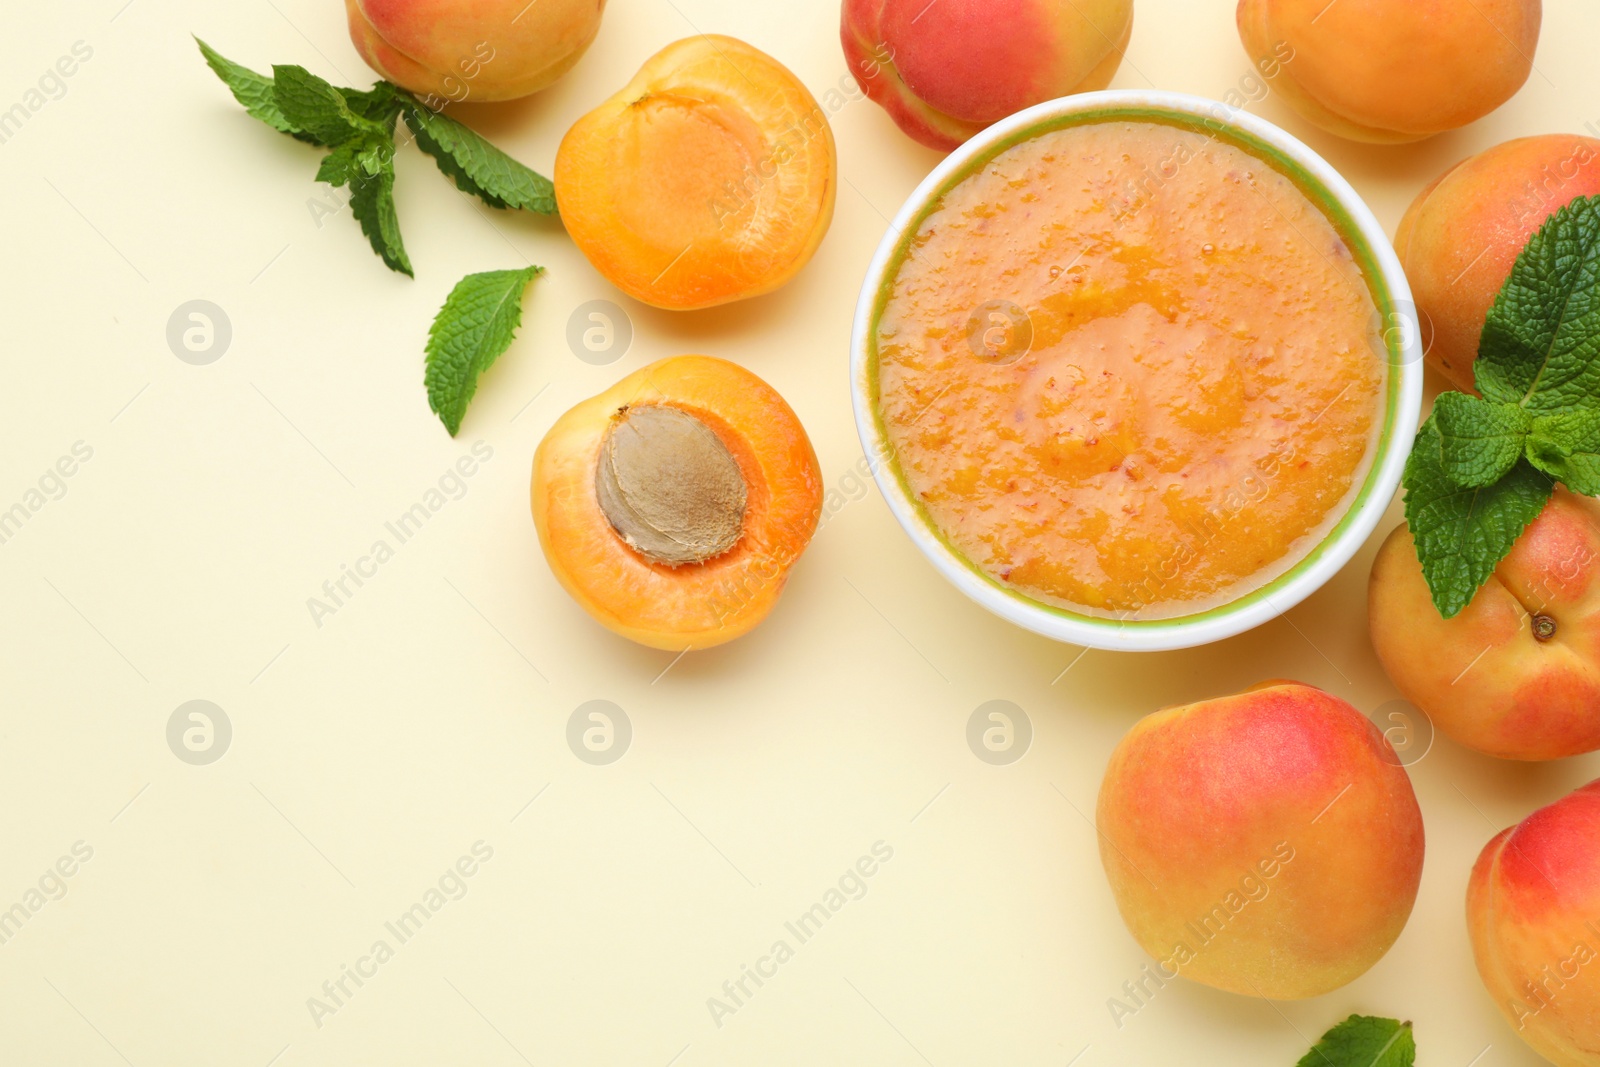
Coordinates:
(358,128)
(252,90)
(1364,1041)
(1484,467)
(476,324)
(480,317)
(1481,440)
(1567,447)
(317,108)
(1540,345)
(477,166)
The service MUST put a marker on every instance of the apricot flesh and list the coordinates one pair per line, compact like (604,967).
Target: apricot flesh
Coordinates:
(666,605)
(473,50)
(1392,71)
(1517,673)
(1463,233)
(709,178)
(1267,844)
(946,70)
(1533,910)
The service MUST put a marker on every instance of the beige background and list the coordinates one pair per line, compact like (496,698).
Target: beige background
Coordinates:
(369,754)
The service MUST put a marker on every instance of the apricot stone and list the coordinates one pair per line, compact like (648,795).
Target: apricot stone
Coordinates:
(1391,71)
(946,70)
(647,548)
(1463,233)
(709,178)
(1267,844)
(1517,673)
(473,50)
(1533,910)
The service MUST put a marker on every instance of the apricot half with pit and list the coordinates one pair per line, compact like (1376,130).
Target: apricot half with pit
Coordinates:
(672,506)
(709,178)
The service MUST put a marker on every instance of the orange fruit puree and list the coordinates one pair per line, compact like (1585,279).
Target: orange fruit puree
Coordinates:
(1130,368)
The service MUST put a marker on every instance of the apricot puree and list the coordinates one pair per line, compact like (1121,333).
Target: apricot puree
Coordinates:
(1130,368)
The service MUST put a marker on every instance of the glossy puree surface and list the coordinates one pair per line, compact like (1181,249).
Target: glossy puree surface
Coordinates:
(1130,368)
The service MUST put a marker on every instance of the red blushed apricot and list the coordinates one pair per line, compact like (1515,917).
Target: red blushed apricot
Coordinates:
(946,70)
(1533,911)
(1391,71)
(709,178)
(477,50)
(606,505)
(1268,843)
(1462,235)
(1517,673)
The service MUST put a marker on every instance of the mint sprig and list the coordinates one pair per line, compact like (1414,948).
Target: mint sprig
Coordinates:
(1484,466)
(477,324)
(358,128)
(1364,1041)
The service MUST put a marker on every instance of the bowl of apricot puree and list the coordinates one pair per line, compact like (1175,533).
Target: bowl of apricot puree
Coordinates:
(1136,370)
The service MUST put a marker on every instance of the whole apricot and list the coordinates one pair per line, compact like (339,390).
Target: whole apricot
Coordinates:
(477,50)
(1517,673)
(672,506)
(946,70)
(1391,71)
(1533,910)
(1463,233)
(1267,843)
(709,178)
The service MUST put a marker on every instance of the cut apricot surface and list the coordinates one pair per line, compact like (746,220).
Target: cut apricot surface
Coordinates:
(605,506)
(709,178)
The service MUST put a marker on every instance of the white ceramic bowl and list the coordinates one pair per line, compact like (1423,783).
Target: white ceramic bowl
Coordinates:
(1403,392)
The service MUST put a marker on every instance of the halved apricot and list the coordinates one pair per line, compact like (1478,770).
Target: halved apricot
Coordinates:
(709,178)
(672,505)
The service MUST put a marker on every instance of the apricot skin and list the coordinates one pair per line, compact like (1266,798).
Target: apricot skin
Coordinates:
(1282,820)
(1533,910)
(1483,677)
(710,177)
(473,50)
(944,71)
(1463,233)
(699,605)
(1392,71)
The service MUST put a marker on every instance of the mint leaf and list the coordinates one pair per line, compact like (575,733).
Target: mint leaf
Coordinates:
(1567,447)
(372,203)
(342,165)
(1541,343)
(1364,1041)
(362,158)
(477,166)
(315,106)
(254,91)
(1463,533)
(1481,440)
(380,104)
(476,324)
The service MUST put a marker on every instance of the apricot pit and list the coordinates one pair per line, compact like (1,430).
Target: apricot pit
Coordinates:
(669,486)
